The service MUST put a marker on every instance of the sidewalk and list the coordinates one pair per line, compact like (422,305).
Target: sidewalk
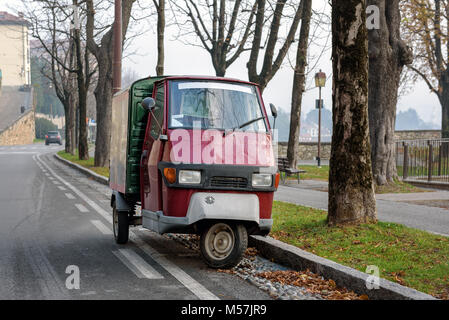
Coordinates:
(389,207)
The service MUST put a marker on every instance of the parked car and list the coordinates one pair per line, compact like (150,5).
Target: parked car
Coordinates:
(53,137)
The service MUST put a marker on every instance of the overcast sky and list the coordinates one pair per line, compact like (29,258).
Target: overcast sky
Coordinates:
(184,59)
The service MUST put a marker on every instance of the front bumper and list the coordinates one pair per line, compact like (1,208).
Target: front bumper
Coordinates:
(210,206)
(52,140)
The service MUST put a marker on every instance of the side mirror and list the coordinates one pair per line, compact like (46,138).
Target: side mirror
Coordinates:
(274,111)
(148,103)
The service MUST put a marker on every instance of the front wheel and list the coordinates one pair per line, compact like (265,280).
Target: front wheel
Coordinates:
(223,245)
(120,226)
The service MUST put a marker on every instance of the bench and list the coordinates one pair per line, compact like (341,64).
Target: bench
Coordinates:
(284,167)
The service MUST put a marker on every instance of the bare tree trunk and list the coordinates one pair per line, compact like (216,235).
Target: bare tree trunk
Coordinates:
(83,148)
(70,127)
(103,91)
(69,111)
(388,55)
(351,188)
(103,96)
(299,80)
(443,97)
(160,36)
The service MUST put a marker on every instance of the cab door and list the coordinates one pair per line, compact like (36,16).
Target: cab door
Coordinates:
(151,181)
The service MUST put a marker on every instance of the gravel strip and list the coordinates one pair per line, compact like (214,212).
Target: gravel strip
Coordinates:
(280,282)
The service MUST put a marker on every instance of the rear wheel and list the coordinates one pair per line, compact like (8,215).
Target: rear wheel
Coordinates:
(120,222)
(223,245)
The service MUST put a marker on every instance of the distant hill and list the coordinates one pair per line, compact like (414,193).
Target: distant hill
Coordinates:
(410,120)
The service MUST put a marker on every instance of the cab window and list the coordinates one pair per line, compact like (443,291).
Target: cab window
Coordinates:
(158,113)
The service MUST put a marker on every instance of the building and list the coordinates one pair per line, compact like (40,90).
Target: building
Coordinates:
(15,64)
(17,122)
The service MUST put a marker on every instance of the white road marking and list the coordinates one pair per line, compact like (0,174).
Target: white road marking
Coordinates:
(3,153)
(62,188)
(100,226)
(137,264)
(70,196)
(194,286)
(81,208)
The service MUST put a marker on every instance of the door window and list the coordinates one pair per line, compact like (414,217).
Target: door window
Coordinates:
(158,112)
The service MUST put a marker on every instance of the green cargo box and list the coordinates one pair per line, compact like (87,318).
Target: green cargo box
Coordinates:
(129,122)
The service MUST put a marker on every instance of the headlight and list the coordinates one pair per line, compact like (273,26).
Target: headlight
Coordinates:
(189,177)
(262,180)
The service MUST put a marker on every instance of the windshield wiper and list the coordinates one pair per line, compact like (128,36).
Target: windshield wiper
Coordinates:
(243,125)
(251,122)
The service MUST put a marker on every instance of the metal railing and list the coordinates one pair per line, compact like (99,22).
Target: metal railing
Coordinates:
(426,160)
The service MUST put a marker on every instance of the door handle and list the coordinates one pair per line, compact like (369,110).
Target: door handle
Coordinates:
(143,156)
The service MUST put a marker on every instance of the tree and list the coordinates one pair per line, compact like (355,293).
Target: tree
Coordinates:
(388,54)
(351,188)
(425,28)
(57,52)
(271,64)
(223,30)
(101,46)
(83,76)
(160,9)
(299,80)
(43,126)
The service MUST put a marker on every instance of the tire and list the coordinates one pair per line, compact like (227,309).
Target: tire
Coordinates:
(223,245)
(120,225)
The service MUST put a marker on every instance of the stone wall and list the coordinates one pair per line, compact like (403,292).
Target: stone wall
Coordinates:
(307,150)
(418,134)
(20,132)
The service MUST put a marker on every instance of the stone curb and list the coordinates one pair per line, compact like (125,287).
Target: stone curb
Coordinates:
(298,259)
(87,172)
(343,276)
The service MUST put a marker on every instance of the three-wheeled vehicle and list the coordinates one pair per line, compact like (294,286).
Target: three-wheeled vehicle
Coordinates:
(196,154)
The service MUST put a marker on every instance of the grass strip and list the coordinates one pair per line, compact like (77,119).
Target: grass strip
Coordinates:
(410,257)
(89,164)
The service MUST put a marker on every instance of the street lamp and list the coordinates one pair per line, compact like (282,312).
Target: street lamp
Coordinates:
(320,82)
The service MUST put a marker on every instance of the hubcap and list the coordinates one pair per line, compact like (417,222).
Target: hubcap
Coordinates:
(219,241)
(115,221)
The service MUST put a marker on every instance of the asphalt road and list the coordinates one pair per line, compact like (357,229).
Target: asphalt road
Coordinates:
(426,218)
(56,225)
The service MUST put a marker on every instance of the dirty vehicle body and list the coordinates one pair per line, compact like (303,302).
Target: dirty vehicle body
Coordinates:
(196,155)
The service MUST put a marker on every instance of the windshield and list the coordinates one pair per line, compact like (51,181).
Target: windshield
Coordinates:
(215,105)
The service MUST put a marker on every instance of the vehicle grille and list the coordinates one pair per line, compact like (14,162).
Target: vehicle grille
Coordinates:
(229,182)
